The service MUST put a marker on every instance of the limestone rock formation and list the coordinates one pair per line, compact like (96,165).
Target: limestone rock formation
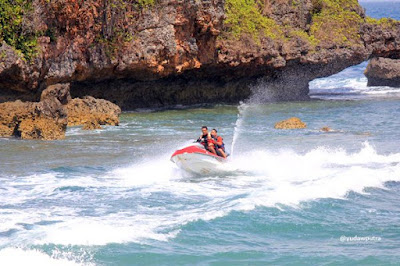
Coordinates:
(383,72)
(91,125)
(291,123)
(46,120)
(60,91)
(92,112)
(162,53)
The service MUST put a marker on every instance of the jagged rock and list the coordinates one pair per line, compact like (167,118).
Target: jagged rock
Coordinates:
(383,72)
(291,123)
(91,125)
(42,128)
(11,67)
(59,91)
(46,120)
(90,111)
(180,52)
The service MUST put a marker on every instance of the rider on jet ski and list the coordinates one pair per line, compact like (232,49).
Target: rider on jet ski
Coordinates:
(219,143)
(206,140)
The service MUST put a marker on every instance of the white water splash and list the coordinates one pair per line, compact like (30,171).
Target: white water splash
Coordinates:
(350,83)
(259,95)
(159,201)
(19,256)
(242,108)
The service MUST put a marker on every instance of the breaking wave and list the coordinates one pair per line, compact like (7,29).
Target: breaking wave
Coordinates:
(157,199)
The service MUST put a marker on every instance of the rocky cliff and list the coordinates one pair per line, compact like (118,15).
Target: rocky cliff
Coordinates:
(158,53)
(383,72)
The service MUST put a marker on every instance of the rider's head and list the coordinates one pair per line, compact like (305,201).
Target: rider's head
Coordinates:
(204,129)
(213,132)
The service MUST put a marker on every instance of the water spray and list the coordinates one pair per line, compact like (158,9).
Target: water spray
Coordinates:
(259,94)
(242,110)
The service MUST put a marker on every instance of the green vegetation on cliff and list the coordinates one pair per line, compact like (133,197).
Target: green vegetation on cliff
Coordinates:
(333,22)
(384,22)
(336,22)
(245,16)
(15,28)
(145,3)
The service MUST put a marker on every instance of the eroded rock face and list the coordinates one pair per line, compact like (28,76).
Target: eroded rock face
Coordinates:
(291,123)
(60,91)
(383,72)
(46,120)
(91,125)
(177,52)
(92,112)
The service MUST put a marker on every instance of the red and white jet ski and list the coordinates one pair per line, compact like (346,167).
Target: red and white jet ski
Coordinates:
(196,159)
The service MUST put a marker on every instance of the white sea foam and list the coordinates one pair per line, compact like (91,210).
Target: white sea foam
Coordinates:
(292,178)
(163,199)
(349,84)
(116,228)
(20,256)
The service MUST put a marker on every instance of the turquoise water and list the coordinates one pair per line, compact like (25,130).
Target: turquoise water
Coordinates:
(112,197)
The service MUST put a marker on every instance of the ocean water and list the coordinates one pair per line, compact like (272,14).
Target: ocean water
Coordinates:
(299,197)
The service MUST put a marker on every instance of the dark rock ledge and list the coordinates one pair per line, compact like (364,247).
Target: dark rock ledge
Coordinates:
(383,72)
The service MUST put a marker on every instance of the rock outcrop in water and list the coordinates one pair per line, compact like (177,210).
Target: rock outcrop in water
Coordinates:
(326,129)
(162,53)
(45,120)
(91,113)
(291,123)
(48,119)
(383,72)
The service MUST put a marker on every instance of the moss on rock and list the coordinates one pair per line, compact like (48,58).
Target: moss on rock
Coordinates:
(387,23)
(336,22)
(245,17)
(333,22)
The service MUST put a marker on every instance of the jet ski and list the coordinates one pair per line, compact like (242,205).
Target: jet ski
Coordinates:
(196,159)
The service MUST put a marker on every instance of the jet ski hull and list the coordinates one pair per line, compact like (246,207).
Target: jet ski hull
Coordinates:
(196,159)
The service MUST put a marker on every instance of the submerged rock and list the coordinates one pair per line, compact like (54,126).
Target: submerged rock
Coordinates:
(326,129)
(92,112)
(291,123)
(383,72)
